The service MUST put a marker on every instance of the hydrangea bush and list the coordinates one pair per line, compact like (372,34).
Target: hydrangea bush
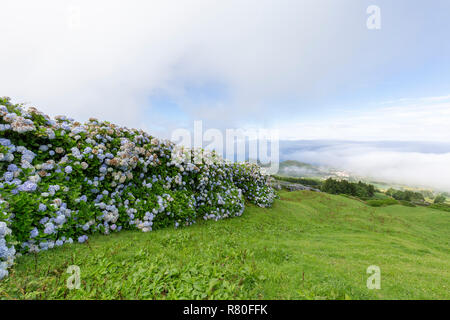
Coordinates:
(61,181)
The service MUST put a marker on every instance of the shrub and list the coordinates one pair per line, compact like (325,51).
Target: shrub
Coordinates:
(360,189)
(440,206)
(310,182)
(440,199)
(406,195)
(382,203)
(61,181)
(406,203)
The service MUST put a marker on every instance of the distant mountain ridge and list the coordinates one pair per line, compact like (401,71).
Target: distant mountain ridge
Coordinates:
(298,169)
(294,168)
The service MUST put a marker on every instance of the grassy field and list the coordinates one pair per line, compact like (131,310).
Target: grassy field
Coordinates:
(308,246)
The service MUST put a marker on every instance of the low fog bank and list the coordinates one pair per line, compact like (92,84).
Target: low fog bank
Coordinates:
(412,163)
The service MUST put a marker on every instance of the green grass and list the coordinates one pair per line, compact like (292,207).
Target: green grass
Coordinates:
(441,206)
(382,202)
(308,246)
(312,182)
(380,196)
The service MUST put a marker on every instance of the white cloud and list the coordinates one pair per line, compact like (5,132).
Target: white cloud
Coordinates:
(262,52)
(421,120)
(107,61)
(391,165)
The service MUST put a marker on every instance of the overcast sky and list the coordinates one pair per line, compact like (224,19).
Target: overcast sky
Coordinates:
(311,69)
(162,64)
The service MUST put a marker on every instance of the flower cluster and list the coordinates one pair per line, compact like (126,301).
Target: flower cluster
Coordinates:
(61,181)
(6,253)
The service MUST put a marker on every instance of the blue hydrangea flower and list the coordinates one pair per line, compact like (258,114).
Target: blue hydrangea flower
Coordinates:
(8,176)
(34,233)
(82,239)
(49,228)
(12,167)
(28,186)
(60,219)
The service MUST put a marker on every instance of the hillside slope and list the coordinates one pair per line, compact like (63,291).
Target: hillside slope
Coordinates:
(308,246)
(62,181)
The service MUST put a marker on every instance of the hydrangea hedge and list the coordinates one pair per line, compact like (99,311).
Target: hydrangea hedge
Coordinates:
(61,181)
